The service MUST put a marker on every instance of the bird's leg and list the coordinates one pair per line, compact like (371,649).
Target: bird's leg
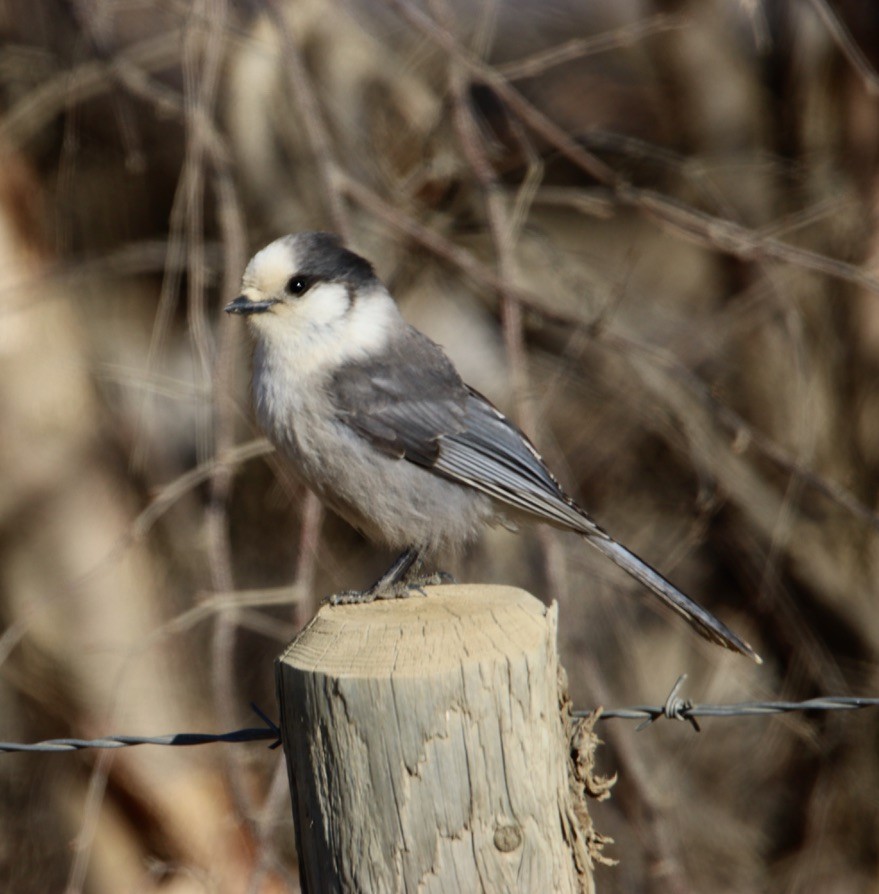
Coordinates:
(393,584)
(412,581)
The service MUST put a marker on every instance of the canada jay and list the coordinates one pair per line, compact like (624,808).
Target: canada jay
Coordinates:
(376,421)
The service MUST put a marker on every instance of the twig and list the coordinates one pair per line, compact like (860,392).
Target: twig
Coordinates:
(696,225)
(846,43)
(323,157)
(31,114)
(619,38)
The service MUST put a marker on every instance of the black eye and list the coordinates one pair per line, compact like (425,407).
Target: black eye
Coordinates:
(298,285)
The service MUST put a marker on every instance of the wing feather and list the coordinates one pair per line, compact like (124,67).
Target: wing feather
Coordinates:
(425,414)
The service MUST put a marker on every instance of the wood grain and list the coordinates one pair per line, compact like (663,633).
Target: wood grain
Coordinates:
(426,749)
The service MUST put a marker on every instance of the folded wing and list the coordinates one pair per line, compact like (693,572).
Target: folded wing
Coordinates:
(412,405)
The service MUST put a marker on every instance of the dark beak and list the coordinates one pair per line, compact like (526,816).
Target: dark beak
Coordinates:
(243,305)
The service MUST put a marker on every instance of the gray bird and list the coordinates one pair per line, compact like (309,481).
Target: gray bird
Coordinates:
(374,418)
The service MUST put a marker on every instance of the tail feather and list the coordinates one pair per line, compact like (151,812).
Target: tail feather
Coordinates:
(701,620)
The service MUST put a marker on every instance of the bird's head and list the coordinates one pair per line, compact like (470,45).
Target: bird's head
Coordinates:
(307,292)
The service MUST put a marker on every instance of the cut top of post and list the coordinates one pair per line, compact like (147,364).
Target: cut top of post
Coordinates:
(404,636)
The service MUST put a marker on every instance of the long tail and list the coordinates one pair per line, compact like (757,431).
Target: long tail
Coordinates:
(702,621)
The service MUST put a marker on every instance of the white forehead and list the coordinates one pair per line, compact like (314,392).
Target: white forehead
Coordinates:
(270,268)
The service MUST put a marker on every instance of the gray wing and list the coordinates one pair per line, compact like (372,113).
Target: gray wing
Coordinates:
(411,404)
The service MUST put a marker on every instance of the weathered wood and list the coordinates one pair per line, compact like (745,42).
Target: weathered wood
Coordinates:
(427,749)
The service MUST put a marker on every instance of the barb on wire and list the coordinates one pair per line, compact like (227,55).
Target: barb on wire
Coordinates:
(676,708)
(255,734)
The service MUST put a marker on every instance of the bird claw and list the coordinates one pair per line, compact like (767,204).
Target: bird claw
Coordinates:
(400,590)
(351,597)
(404,588)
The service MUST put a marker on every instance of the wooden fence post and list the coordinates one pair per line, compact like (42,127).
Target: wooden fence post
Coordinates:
(428,747)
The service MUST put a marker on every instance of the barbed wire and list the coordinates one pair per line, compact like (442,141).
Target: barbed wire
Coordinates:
(674,708)
(677,708)
(253,734)
(51,745)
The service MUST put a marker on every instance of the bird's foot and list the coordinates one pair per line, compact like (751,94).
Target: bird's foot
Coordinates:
(397,590)
(414,584)
(392,589)
(400,581)
(437,579)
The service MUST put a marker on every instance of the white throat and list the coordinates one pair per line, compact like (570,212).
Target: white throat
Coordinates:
(343,330)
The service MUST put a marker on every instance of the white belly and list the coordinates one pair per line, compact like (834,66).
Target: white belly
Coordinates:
(391,501)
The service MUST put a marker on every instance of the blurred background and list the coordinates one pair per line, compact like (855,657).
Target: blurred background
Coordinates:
(646,230)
